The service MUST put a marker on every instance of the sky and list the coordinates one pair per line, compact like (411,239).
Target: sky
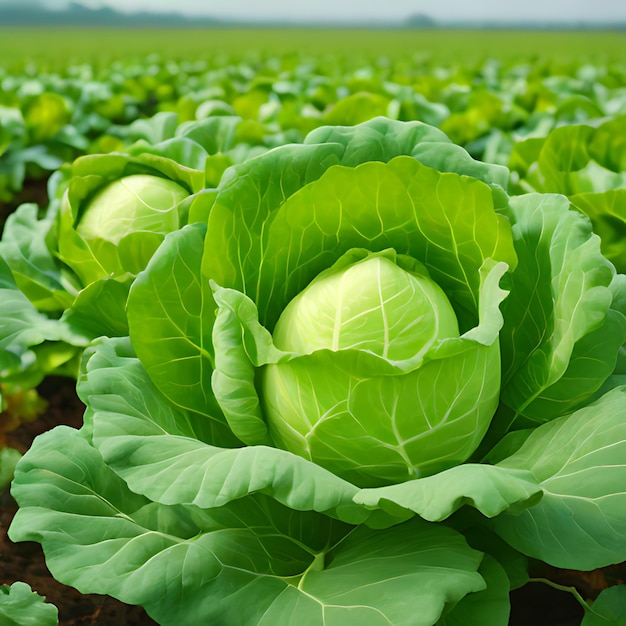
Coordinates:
(388,10)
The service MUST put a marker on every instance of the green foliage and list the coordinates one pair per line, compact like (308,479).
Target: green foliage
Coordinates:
(609,608)
(336,368)
(577,460)
(585,162)
(20,606)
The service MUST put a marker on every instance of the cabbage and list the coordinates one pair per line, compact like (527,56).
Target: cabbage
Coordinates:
(335,411)
(132,204)
(365,389)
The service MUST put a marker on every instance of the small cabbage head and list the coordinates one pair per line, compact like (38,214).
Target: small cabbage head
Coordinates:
(382,387)
(116,229)
(134,203)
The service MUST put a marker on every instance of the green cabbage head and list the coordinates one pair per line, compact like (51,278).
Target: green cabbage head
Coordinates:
(117,209)
(373,339)
(133,203)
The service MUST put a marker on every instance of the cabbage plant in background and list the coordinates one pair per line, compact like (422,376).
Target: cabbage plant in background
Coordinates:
(365,389)
(64,277)
(586,162)
(107,215)
(36,138)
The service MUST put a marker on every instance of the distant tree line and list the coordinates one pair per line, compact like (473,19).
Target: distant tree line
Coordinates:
(33,13)
(75,14)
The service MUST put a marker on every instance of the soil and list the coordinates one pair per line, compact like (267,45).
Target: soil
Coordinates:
(536,604)
(34,190)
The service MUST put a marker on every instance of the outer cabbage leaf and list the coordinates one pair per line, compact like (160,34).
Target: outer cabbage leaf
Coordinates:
(580,158)
(248,193)
(589,166)
(608,144)
(607,212)
(168,156)
(404,205)
(45,115)
(408,593)
(268,198)
(100,309)
(561,334)
(158,128)
(171,314)
(8,460)
(248,563)
(488,488)
(216,134)
(382,139)
(36,272)
(31,344)
(453,158)
(578,461)
(358,108)
(379,139)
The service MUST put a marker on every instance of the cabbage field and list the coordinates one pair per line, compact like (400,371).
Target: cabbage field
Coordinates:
(313,327)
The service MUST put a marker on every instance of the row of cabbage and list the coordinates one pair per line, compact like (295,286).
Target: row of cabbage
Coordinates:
(269,435)
(49,118)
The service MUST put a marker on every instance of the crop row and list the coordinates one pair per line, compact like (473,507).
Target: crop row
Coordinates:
(350,336)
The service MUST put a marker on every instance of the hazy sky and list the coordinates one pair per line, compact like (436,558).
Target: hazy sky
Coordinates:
(567,10)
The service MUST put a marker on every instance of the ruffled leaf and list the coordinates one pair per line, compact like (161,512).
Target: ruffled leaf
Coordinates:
(578,461)
(249,563)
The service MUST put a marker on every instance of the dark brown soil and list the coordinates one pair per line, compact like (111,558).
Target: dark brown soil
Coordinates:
(34,190)
(537,604)
(534,605)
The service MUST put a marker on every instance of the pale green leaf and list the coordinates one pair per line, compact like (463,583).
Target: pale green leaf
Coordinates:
(248,195)
(607,213)
(357,108)
(249,563)
(561,336)
(35,270)
(170,315)
(173,457)
(488,488)
(176,470)
(379,139)
(578,461)
(24,332)
(8,460)
(114,380)
(444,220)
(100,309)
(21,606)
